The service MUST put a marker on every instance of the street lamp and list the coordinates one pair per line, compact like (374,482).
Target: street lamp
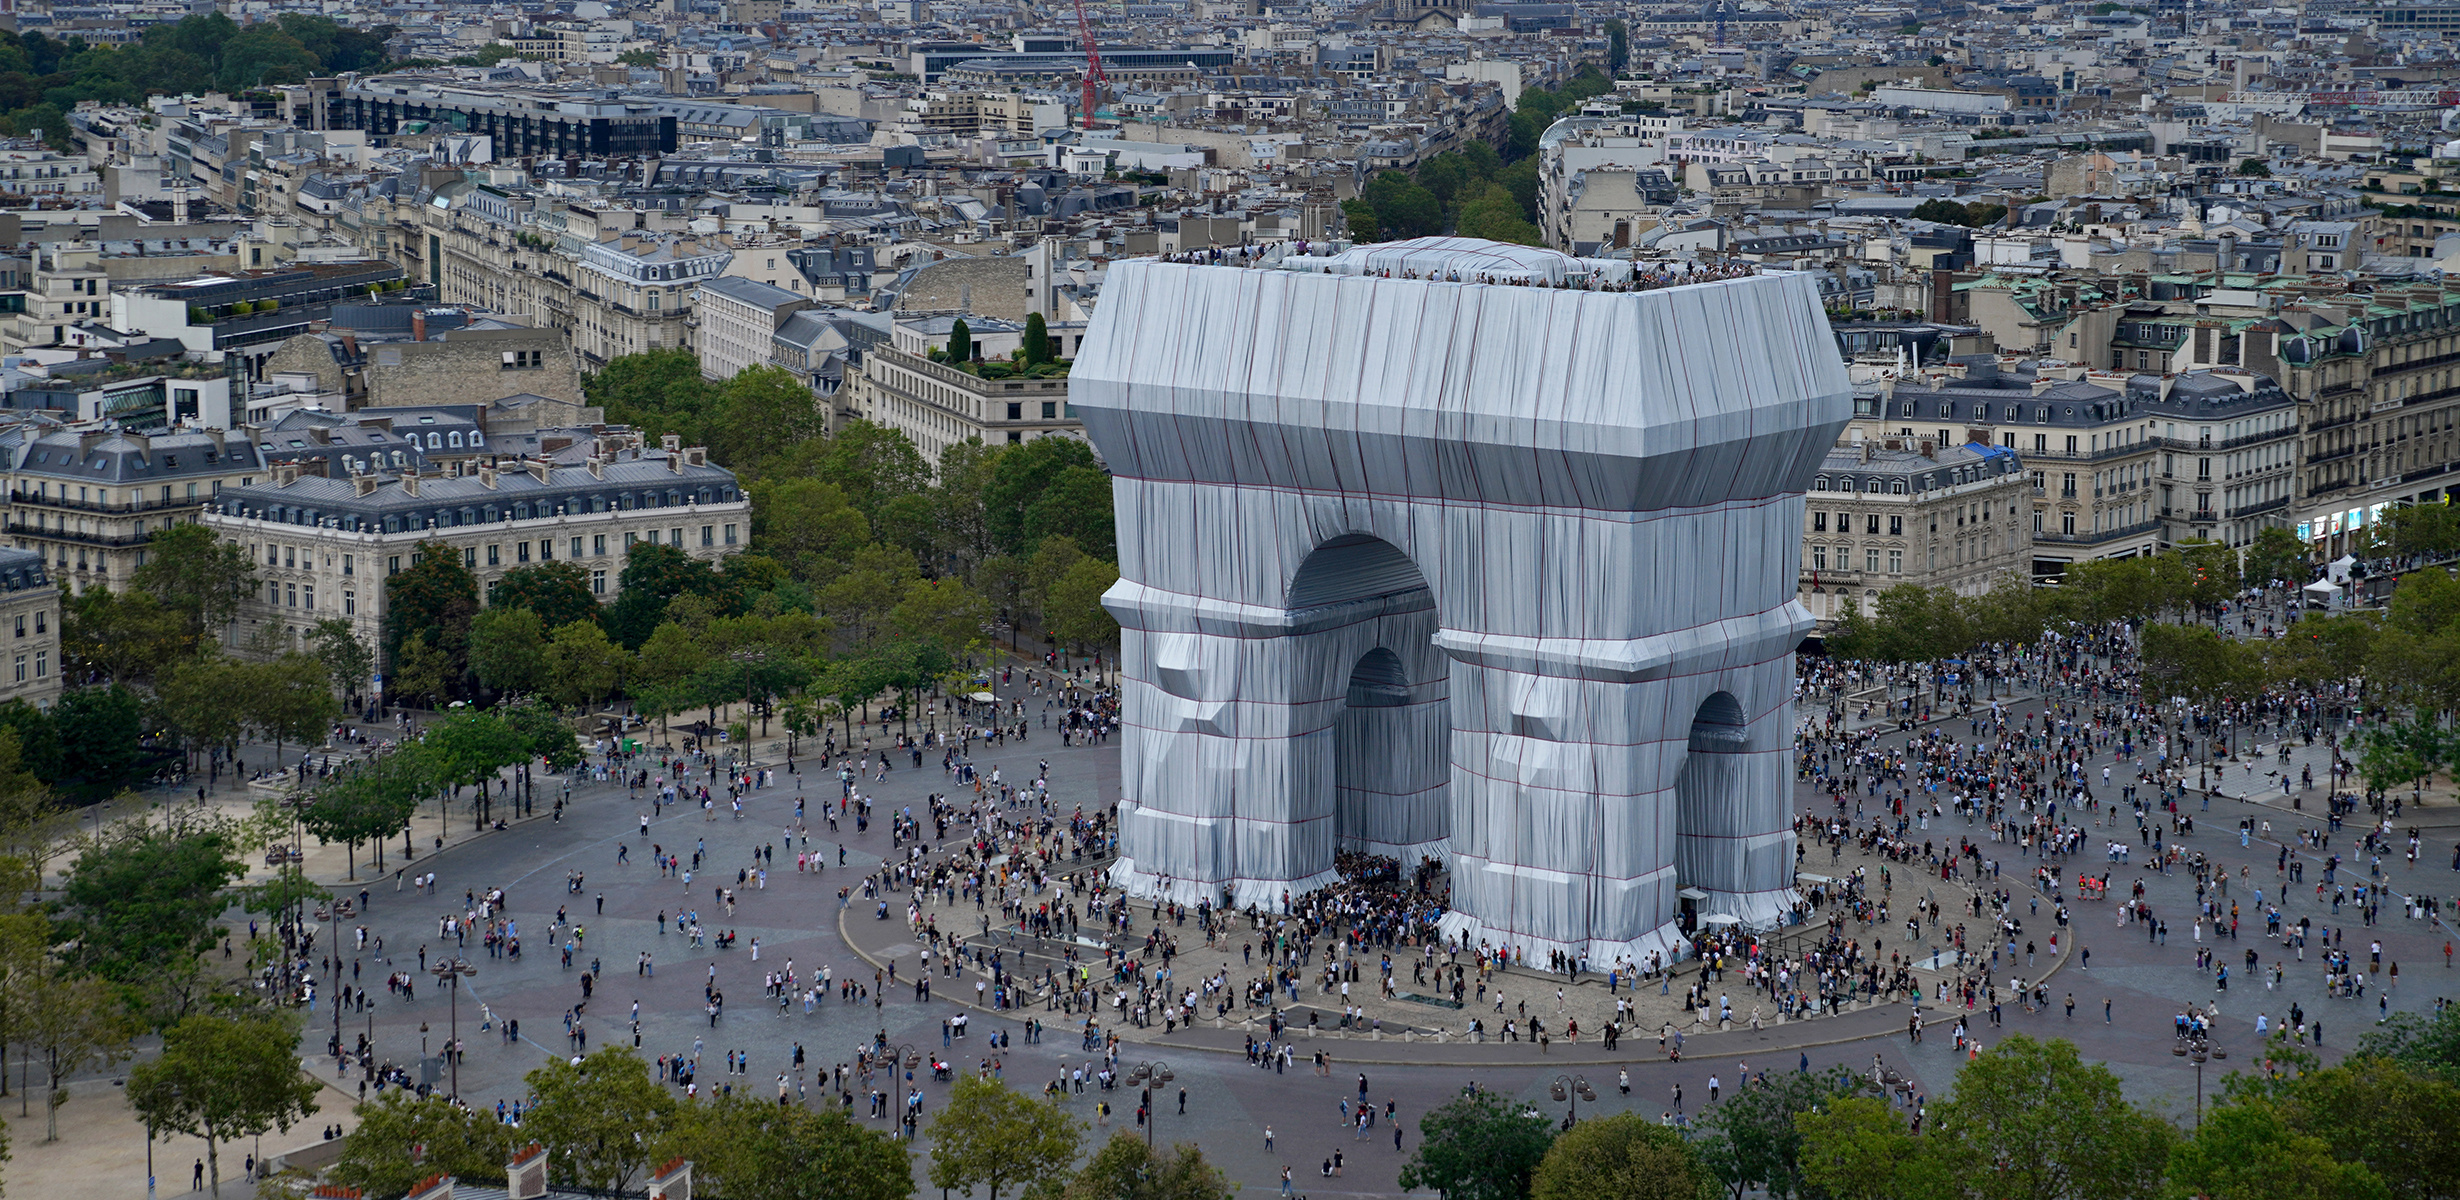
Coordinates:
(1576,1089)
(1151,1075)
(450,973)
(2196,1050)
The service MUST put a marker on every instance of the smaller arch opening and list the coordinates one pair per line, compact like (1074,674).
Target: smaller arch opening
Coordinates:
(1350,568)
(1719,725)
(1379,681)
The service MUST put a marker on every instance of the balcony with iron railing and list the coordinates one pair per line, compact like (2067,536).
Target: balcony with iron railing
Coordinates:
(2107,535)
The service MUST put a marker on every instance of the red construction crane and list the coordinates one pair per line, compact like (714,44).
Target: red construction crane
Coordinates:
(1094,77)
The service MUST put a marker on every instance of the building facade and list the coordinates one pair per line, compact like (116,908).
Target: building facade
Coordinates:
(938,406)
(323,547)
(30,622)
(739,318)
(1885,512)
(85,501)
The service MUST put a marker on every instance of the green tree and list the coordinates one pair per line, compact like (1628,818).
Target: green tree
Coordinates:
(402,1139)
(1402,207)
(659,391)
(591,1114)
(2421,1043)
(944,612)
(1037,340)
(190,569)
(2403,1126)
(1025,474)
(76,1023)
(557,591)
(643,57)
(961,350)
(508,650)
(144,898)
(125,637)
(2254,166)
(224,1078)
(742,1149)
(874,465)
(432,602)
(1859,1148)
(347,657)
(2276,553)
(1497,216)
(1360,221)
(807,525)
(583,667)
(759,410)
(2031,1118)
(860,600)
(1750,1140)
(1126,1169)
(99,728)
(989,1136)
(1624,1155)
(290,700)
(2248,1152)
(653,575)
(1478,1147)
(1076,614)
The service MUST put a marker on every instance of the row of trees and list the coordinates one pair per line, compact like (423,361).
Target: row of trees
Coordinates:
(1474,191)
(2027,1118)
(1913,623)
(606,1123)
(42,78)
(866,571)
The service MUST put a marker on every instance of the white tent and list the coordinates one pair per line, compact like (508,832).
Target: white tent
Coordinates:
(2338,570)
(2326,593)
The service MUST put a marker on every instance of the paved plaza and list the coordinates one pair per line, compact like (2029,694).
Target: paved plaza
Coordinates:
(594,867)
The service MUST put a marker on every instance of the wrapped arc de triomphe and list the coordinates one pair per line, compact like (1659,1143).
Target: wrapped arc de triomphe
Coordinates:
(1503,575)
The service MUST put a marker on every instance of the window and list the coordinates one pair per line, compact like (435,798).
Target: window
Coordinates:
(674,537)
(1870,561)
(350,604)
(1896,527)
(708,536)
(1871,525)
(307,597)
(292,601)
(1819,522)
(1050,410)
(576,547)
(521,551)
(495,556)
(1896,562)
(346,566)
(597,545)
(392,564)
(546,549)
(1819,558)
(273,555)
(42,663)
(21,668)
(597,582)
(629,539)
(273,594)
(730,535)
(469,557)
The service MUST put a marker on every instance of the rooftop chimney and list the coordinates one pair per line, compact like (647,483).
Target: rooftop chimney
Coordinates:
(418,324)
(434,1187)
(410,482)
(672,1182)
(525,1177)
(486,476)
(362,485)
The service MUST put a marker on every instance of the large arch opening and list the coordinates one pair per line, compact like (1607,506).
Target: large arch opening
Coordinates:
(1381,759)
(1707,806)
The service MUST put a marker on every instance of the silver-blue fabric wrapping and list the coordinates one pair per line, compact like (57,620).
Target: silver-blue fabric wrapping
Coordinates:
(1499,574)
